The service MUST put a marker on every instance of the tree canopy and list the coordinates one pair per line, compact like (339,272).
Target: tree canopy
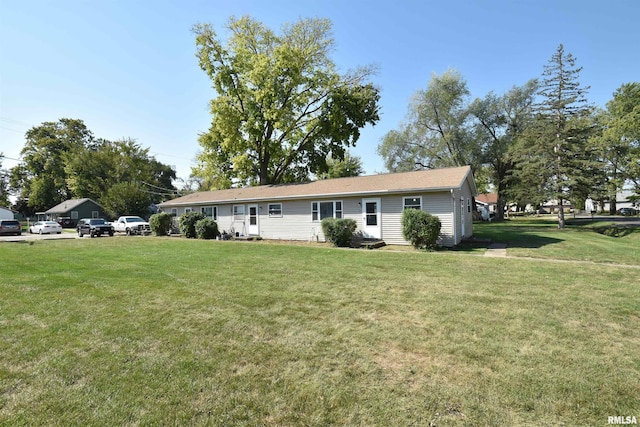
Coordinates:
(436,133)
(281,108)
(63,160)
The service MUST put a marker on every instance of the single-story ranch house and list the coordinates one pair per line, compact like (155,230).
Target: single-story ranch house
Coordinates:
(376,202)
(74,209)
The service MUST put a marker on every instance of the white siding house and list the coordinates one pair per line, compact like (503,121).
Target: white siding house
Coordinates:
(6,213)
(376,202)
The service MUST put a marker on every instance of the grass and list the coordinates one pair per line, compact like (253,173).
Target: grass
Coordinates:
(595,241)
(165,331)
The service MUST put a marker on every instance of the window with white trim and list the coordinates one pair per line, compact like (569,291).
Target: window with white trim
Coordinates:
(238,212)
(187,210)
(412,202)
(210,212)
(174,212)
(275,210)
(95,214)
(328,209)
(74,214)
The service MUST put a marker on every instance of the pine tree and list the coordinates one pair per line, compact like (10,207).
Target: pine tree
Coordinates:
(555,148)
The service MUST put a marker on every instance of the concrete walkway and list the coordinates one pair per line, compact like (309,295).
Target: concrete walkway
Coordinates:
(496,250)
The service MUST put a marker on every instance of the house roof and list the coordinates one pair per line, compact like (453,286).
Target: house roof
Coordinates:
(405,182)
(487,198)
(69,205)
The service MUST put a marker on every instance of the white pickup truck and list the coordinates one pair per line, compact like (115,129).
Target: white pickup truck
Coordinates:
(132,225)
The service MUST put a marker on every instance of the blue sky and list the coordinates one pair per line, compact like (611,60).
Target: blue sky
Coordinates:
(127,68)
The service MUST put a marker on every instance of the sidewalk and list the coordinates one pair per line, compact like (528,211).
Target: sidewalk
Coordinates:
(496,250)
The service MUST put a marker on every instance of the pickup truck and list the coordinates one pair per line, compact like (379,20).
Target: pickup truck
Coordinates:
(132,225)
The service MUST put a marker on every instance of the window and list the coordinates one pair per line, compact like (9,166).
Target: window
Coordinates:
(322,210)
(238,212)
(210,212)
(187,210)
(275,210)
(74,214)
(174,212)
(95,214)
(412,203)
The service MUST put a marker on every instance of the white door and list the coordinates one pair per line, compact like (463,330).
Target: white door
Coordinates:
(371,219)
(254,226)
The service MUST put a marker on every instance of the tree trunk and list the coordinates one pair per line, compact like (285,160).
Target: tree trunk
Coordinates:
(560,214)
(612,206)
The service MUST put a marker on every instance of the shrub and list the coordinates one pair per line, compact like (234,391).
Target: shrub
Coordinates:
(206,229)
(161,223)
(339,231)
(187,224)
(420,228)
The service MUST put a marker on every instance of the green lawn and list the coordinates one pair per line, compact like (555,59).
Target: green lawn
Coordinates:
(168,331)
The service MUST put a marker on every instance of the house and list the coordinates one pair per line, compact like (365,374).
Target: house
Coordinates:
(487,205)
(376,202)
(75,209)
(6,213)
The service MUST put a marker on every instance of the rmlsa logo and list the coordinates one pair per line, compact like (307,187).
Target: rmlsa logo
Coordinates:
(622,420)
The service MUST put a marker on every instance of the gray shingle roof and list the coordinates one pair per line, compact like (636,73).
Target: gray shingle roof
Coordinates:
(68,205)
(424,180)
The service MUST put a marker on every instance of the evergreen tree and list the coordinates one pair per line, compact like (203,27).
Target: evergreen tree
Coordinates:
(554,155)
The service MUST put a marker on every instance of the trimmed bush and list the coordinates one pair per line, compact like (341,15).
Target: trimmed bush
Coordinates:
(187,223)
(339,231)
(206,229)
(161,223)
(420,228)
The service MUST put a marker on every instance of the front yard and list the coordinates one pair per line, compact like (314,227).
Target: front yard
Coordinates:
(166,331)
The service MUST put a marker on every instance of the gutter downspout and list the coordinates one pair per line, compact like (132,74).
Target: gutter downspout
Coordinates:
(455,218)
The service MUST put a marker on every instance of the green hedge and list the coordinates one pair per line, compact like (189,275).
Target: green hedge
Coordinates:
(206,229)
(161,223)
(187,224)
(420,228)
(339,231)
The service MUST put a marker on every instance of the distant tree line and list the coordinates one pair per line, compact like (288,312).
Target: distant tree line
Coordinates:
(537,142)
(63,160)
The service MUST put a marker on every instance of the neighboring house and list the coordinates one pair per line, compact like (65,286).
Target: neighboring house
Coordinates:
(624,199)
(487,205)
(75,209)
(376,202)
(6,213)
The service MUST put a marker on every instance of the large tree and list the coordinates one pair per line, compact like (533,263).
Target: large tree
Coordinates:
(41,178)
(120,175)
(4,184)
(499,122)
(619,141)
(281,108)
(437,132)
(350,166)
(554,155)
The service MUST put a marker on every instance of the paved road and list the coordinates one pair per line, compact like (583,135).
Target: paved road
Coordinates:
(26,237)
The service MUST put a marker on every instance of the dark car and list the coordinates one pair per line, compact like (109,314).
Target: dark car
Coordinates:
(94,227)
(66,222)
(627,211)
(10,226)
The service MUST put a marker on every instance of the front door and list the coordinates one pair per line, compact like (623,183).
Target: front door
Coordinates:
(371,219)
(254,226)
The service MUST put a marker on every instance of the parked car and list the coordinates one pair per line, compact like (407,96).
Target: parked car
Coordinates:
(10,226)
(94,227)
(627,211)
(66,222)
(45,227)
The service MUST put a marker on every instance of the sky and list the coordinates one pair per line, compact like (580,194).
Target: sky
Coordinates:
(127,68)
